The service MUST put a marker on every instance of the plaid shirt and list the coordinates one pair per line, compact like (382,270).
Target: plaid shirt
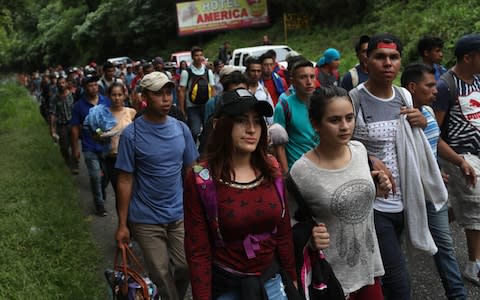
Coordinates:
(61,108)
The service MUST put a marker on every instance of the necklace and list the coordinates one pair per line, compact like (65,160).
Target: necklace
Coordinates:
(243,186)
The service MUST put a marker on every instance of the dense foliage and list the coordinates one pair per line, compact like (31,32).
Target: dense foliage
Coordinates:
(37,33)
(45,32)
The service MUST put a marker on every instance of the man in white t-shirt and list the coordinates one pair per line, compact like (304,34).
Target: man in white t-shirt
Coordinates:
(254,74)
(194,112)
(378,107)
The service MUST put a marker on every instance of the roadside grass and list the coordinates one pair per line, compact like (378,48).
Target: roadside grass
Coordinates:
(46,248)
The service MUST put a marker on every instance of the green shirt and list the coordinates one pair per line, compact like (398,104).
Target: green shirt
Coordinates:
(301,135)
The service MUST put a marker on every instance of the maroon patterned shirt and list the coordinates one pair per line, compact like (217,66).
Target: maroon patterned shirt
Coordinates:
(241,212)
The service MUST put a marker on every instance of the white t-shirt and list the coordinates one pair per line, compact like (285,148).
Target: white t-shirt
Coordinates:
(262,94)
(184,81)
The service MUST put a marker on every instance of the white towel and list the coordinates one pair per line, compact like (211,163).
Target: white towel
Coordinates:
(421,181)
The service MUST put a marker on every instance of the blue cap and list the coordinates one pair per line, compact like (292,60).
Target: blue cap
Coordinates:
(467,44)
(331,54)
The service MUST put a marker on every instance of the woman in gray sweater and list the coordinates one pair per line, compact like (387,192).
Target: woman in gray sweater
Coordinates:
(336,184)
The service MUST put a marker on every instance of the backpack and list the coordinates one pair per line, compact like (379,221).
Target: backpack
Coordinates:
(355,96)
(447,77)
(208,196)
(286,111)
(199,90)
(354,74)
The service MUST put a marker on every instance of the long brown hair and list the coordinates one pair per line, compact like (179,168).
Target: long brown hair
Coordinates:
(220,149)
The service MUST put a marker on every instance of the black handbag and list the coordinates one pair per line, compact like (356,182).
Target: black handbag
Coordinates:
(324,284)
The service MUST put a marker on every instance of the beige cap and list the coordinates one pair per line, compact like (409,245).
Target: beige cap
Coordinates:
(155,81)
(228,69)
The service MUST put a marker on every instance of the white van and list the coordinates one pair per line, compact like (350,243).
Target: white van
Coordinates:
(240,55)
(177,57)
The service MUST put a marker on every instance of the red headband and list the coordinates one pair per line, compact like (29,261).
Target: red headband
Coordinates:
(383,45)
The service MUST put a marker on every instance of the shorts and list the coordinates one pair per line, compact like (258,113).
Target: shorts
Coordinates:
(465,200)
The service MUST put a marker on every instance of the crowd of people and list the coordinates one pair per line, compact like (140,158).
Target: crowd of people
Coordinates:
(240,182)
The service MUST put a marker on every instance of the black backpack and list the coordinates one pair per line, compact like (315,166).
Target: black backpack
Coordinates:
(447,77)
(199,90)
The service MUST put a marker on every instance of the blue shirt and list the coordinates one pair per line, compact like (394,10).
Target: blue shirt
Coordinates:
(432,131)
(301,135)
(210,107)
(80,111)
(439,70)
(156,153)
(129,78)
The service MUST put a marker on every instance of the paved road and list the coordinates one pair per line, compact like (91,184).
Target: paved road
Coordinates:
(425,281)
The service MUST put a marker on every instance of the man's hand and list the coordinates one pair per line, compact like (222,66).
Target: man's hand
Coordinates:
(383,183)
(378,165)
(414,117)
(469,173)
(320,237)
(122,235)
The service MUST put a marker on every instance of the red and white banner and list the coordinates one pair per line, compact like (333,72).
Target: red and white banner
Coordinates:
(211,15)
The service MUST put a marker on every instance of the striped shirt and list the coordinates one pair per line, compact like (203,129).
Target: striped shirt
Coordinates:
(463,130)
(432,131)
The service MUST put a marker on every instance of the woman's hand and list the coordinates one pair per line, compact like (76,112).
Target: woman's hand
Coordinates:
(384,185)
(320,237)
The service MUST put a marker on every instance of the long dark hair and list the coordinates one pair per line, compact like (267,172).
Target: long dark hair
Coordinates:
(220,149)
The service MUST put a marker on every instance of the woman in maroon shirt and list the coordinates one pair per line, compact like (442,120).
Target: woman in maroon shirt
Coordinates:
(253,250)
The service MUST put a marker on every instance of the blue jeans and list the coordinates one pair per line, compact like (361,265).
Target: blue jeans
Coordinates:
(396,281)
(445,259)
(195,120)
(274,288)
(97,174)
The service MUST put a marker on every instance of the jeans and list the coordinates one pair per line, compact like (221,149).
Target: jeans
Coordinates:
(396,281)
(195,120)
(445,259)
(162,248)
(112,173)
(98,179)
(274,288)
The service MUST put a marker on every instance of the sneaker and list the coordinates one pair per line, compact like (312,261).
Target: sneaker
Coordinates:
(101,212)
(472,272)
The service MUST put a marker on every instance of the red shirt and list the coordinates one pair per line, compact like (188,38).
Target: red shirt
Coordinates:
(270,86)
(240,212)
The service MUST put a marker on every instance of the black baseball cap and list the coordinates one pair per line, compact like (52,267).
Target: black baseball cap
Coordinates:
(467,44)
(241,101)
(89,78)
